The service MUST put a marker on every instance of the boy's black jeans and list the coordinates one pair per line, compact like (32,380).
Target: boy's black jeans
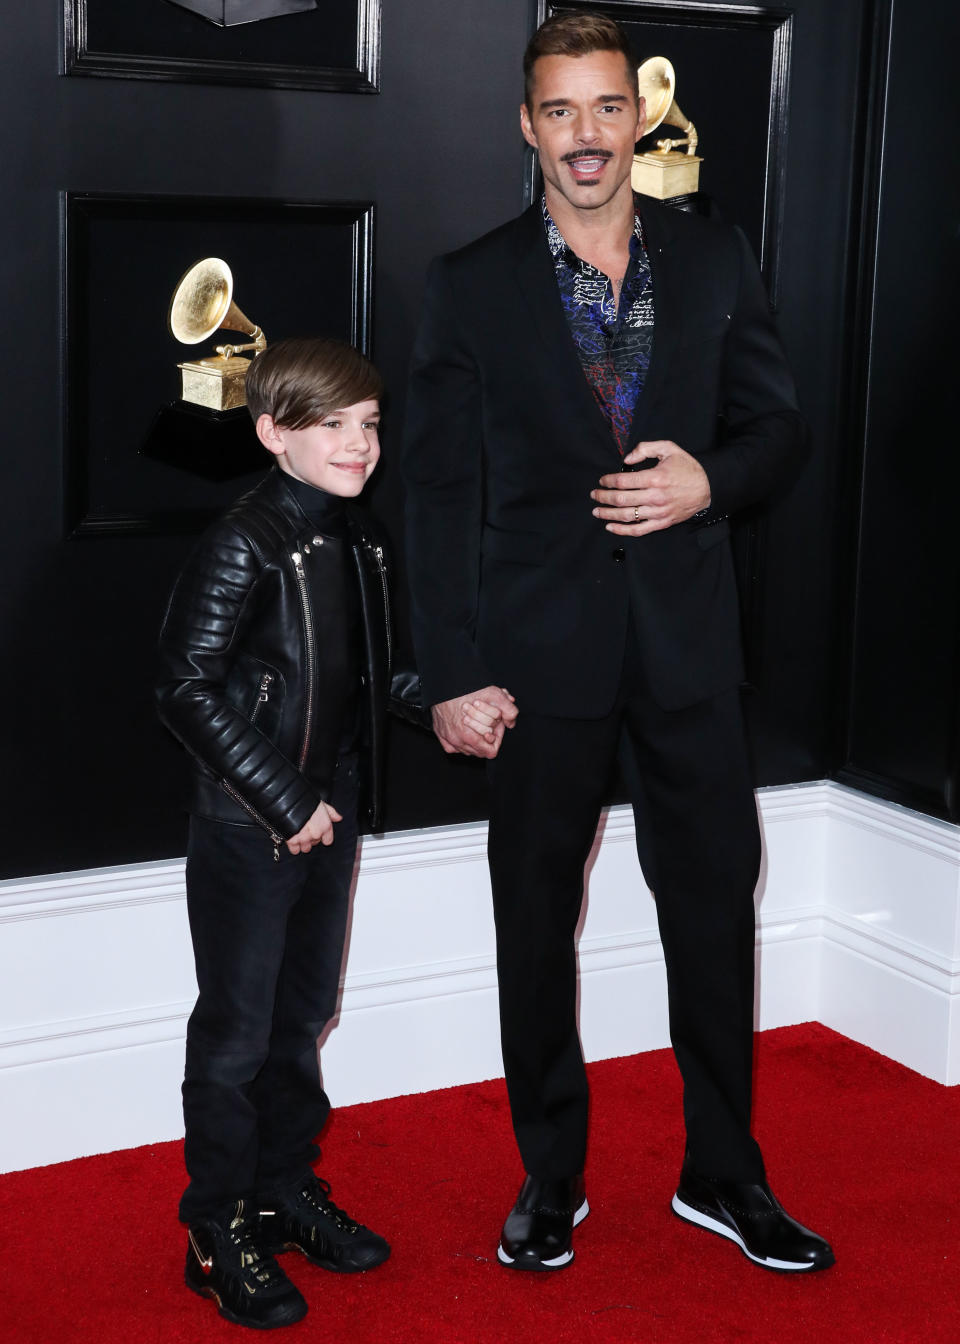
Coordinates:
(268,941)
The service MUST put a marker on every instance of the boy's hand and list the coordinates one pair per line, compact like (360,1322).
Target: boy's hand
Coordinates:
(317,831)
(453,728)
(485,720)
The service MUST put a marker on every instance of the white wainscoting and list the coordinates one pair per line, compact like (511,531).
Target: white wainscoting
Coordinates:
(859,929)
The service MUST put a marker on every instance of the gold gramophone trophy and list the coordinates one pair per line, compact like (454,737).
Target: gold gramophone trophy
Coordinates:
(664,172)
(202,303)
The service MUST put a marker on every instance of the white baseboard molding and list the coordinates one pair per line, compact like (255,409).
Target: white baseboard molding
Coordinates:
(859,929)
(890,969)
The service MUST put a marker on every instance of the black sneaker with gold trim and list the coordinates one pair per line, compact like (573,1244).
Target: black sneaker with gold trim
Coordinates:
(226,1260)
(304,1218)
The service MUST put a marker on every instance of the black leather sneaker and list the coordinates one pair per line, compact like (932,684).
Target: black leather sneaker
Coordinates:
(750,1216)
(304,1218)
(539,1227)
(226,1261)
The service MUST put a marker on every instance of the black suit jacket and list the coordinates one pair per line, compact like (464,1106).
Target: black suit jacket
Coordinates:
(513,580)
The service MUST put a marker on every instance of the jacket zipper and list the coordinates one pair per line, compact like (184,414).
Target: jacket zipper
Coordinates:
(378,552)
(261,821)
(264,695)
(297,559)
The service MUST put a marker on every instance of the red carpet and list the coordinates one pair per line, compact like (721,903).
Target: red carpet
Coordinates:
(860,1148)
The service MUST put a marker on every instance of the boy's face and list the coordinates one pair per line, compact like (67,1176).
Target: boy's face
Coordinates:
(337,454)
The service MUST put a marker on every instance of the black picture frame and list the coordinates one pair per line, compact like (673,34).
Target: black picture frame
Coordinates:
(300,268)
(158,40)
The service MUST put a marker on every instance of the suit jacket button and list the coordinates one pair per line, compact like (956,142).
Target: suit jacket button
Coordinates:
(619,554)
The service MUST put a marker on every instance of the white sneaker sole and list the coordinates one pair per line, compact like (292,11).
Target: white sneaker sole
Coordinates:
(558,1261)
(692,1215)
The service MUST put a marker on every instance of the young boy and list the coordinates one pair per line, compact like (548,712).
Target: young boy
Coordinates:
(275,675)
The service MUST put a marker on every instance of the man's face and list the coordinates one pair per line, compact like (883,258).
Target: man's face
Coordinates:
(337,455)
(584,120)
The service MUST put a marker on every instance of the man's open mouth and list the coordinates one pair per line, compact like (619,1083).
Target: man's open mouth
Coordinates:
(587,167)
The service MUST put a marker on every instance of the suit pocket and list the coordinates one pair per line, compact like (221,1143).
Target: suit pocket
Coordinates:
(713,330)
(515,548)
(713,535)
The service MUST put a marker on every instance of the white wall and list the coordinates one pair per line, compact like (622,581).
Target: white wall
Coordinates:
(859,929)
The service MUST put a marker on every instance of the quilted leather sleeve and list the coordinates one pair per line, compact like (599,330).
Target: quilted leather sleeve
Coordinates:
(206,613)
(406,697)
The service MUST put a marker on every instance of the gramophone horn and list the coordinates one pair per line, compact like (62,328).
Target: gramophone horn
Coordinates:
(202,303)
(656,83)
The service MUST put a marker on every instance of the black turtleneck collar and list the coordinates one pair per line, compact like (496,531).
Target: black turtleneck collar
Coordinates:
(327,512)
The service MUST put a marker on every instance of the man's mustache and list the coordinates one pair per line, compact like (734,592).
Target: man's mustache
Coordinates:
(586,154)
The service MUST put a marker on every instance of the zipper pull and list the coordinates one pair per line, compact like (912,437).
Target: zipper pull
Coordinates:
(378,552)
(277,842)
(265,681)
(297,559)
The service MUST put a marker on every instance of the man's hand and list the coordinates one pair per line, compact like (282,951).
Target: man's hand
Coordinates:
(317,831)
(491,709)
(635,503)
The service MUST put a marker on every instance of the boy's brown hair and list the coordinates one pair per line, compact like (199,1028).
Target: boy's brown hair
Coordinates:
(577,34)
(300,380)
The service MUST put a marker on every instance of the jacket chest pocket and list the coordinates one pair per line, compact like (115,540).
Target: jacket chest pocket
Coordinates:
(265,711)
(263,695)
(256,690)
(711,331)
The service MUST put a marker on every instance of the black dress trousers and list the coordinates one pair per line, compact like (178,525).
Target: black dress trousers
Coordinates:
(693,796)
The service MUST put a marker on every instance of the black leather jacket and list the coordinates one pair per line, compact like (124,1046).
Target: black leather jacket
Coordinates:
(238,652)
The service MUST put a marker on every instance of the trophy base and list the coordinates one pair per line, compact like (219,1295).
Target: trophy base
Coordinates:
(215,445)
(694,203)
(229,13)
(665,174)
(217,383)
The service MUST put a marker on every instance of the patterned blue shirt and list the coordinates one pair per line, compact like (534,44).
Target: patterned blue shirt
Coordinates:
(613,341)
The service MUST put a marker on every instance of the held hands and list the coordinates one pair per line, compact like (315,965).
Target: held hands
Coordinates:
(317,831)
(635,503)
(474,724)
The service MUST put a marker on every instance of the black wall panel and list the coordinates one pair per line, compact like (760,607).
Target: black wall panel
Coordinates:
(89,777)
(901,731)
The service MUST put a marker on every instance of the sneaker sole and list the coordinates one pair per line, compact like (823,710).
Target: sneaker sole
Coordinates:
(536,1266)
(691,1215)
(230,1316)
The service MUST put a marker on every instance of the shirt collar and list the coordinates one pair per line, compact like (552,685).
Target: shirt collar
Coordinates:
(559,248)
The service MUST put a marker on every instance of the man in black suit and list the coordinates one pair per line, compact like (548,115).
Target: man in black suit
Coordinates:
(583,607)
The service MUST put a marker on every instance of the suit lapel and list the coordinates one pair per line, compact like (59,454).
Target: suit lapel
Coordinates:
(667,276)
(538,286)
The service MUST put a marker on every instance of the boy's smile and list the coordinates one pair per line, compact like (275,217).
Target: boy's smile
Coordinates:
(337,454)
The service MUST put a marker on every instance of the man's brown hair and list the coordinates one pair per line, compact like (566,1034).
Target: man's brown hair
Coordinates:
(299,381)
(576,34)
